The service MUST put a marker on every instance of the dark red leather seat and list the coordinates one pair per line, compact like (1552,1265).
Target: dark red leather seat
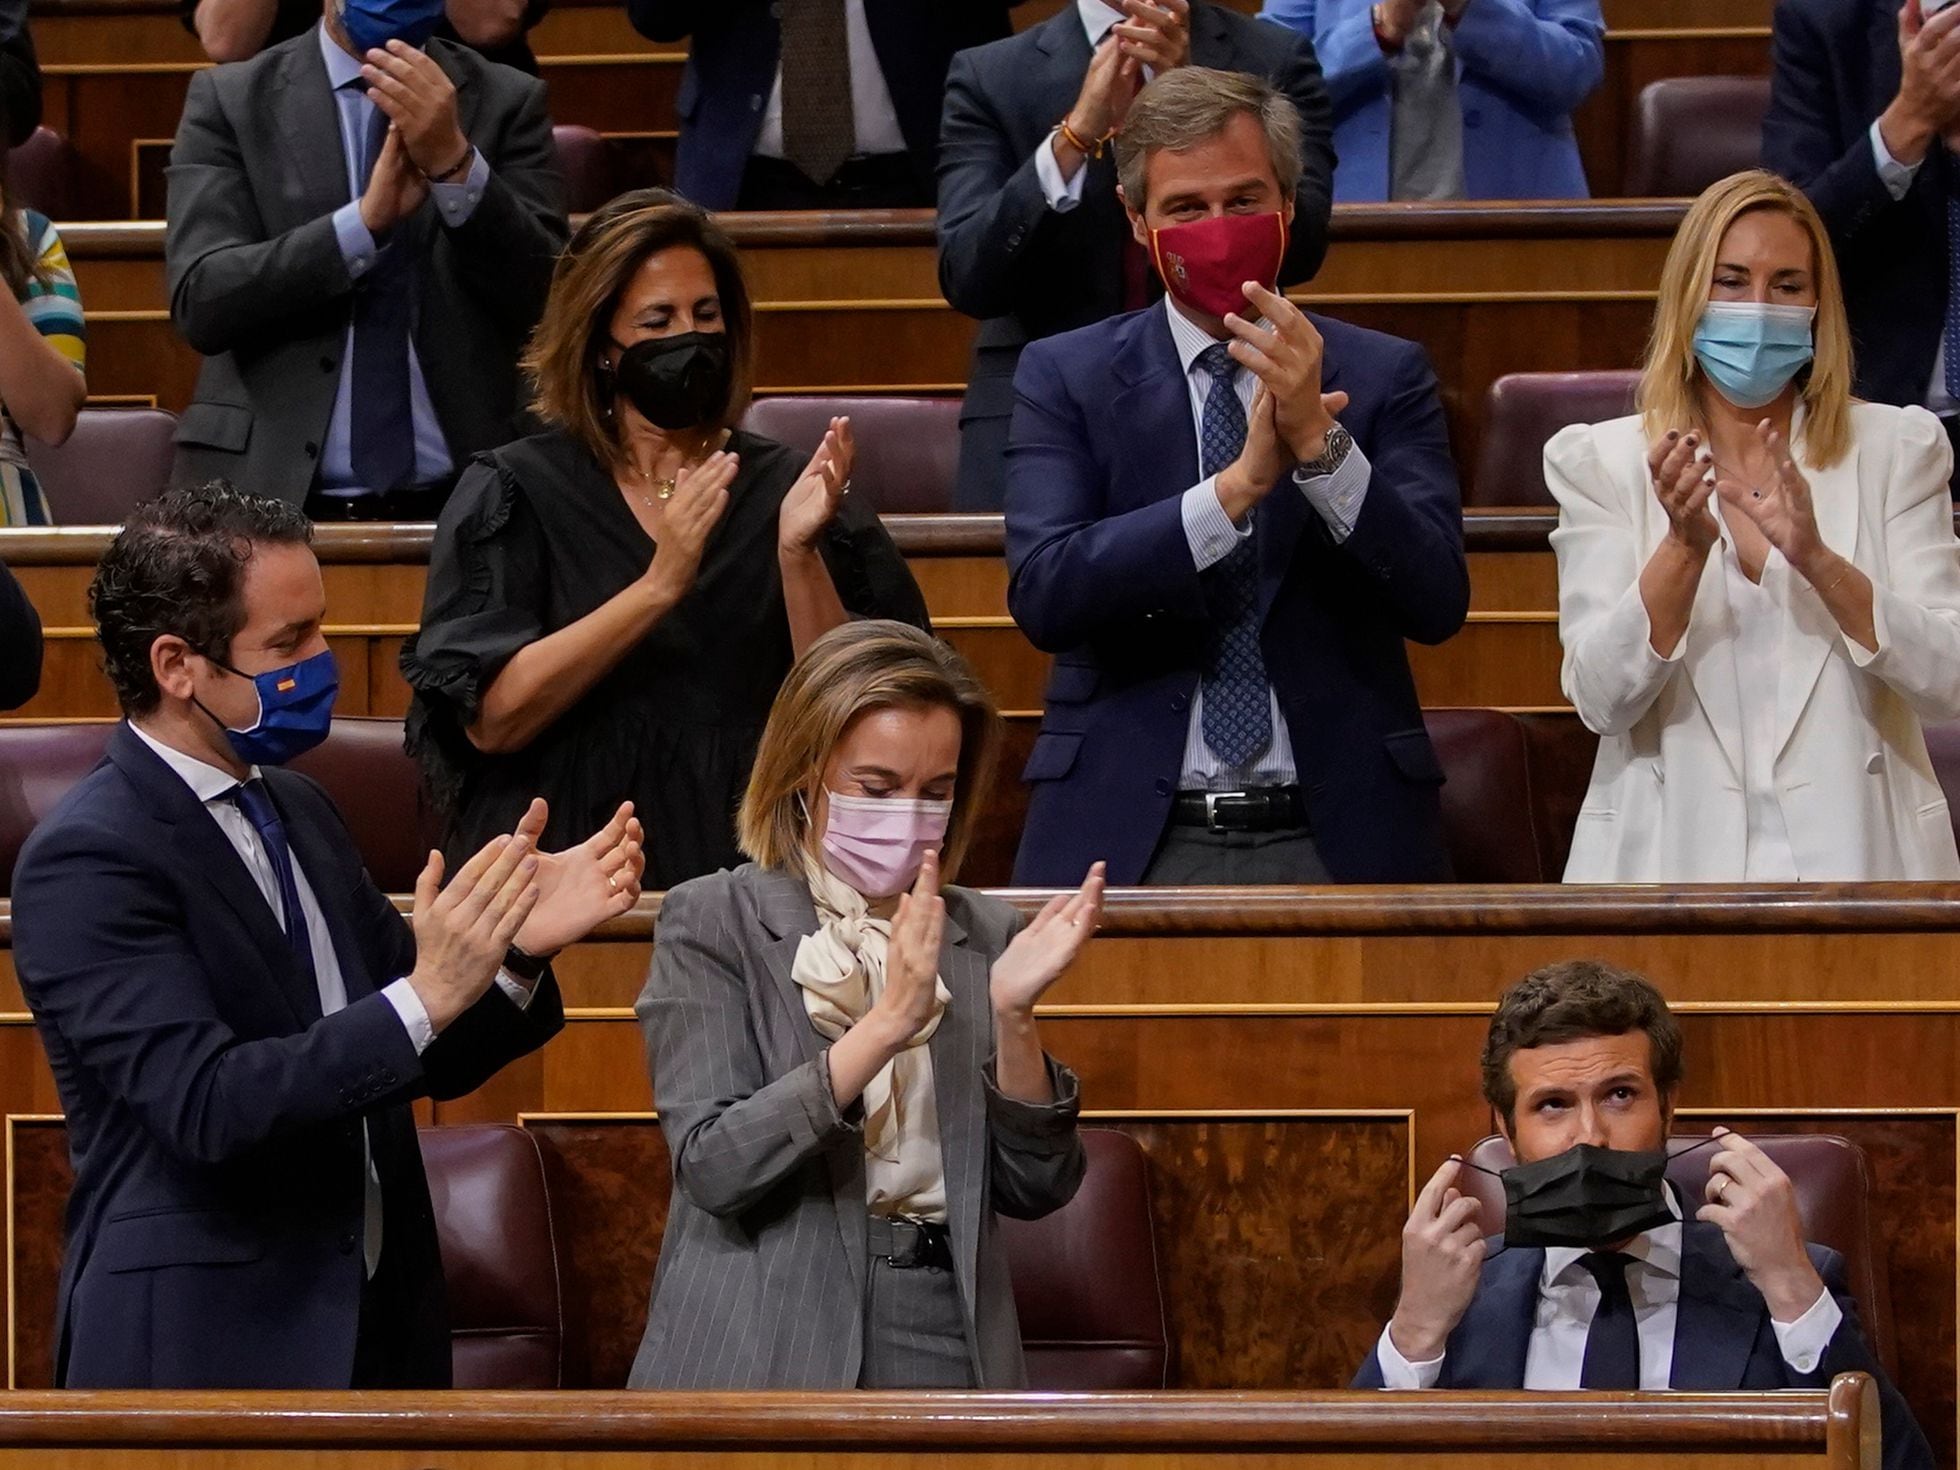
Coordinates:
(38,763)
(585,162)
(1085,1279)
(379,791)
(499,1255)
(1689,132)
(41,174)
(1487,806)
(908,449)
(1522,411)
(1943,745)
(116,459)
(1833,1187)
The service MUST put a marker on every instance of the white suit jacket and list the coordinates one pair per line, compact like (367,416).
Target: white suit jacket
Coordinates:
(1857,788)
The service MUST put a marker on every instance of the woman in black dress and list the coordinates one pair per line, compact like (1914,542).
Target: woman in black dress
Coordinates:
(613,603)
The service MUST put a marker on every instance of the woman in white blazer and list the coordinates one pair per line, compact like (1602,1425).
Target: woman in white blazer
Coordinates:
(1759,586)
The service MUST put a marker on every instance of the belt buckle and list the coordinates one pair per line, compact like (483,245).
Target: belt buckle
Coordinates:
(1213,819)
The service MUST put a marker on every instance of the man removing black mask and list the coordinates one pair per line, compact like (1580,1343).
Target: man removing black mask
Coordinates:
(1609,1278)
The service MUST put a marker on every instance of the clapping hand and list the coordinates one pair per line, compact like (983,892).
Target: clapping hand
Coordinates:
(583,886)
(1037,956)
(1683,480)
(813,500)
(462,929)
(1286,353)
(911,991)
(394,190)
(1155,33)
(1782,508)
(1108,88)
(690,516)
(420,101)
(1754,1203)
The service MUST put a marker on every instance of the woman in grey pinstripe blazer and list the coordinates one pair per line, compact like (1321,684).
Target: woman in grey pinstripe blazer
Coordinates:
(848,1075)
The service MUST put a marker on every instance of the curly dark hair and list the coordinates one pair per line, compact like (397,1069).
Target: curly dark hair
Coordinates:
(1569,1001)
(178,566)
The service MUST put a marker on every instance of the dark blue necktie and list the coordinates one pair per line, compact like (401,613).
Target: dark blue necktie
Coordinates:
(1238,716)
(382,423)
(1613,1340)
(253,800)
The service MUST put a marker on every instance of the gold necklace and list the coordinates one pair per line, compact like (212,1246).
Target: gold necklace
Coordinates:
(666,485)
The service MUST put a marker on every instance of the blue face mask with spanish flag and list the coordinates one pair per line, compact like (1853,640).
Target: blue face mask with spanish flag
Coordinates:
(295,710)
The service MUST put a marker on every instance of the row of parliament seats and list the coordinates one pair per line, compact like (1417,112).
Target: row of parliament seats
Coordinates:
(1513,788)
(1087,1282)
(908,448)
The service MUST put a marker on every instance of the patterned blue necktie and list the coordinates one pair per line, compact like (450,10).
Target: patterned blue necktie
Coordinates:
(256,802)
(1238,716)
(382,421)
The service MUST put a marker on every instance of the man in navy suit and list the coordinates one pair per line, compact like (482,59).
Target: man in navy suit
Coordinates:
(1864,115)
(1032,237)
(1223,529)
(852,124)
(1730,1297)
(236,1018)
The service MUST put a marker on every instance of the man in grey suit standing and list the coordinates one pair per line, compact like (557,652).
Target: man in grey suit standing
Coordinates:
(361,234)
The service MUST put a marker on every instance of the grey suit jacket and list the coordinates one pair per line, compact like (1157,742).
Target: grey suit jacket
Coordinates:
(258,284)
(762,1270)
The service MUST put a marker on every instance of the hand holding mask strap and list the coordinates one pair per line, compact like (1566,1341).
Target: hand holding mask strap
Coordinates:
(1585,1197)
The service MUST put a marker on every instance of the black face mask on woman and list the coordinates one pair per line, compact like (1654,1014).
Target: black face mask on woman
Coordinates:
(1586,1197)
(676,382)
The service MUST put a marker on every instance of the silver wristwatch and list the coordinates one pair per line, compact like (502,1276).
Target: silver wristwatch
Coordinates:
(1339,442)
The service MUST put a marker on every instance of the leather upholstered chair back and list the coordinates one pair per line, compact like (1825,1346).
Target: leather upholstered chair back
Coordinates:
(499,1255)
(908,449)
(1943,745)
(1487,807)
(116,459)
(41,174)
(38,763)
(378,788)
(1521,412)
(1688,132)
(585,162)
(1086,1282)
(1833,1185)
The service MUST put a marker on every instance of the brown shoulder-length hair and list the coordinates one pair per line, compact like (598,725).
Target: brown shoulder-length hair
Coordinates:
(563,359)
(850,671)
(1668,379)
(19,265)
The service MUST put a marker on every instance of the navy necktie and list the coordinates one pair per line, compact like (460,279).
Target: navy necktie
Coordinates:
(1238,715)
(382,423)
(256,802)
(1613,1340)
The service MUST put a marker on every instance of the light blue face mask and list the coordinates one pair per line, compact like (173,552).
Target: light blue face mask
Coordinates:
(1751,350)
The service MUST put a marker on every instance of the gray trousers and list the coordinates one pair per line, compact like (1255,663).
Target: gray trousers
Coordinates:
(1196,856)
(914,1329)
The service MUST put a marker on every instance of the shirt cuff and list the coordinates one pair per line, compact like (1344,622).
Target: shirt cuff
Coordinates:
(1338,496)
(458,201)
(1897,177)
(357,246)
(1062,194)
(1399,1372)
(520,994)
(1207,528)
(415,1016)
(1805,1341)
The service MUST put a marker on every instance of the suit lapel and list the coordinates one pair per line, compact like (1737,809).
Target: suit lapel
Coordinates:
(314,150)
(1718,1317)
(959,1048)
(1163,449)
(312,856)
(1489,1346)
(1211,45)
(1810,633)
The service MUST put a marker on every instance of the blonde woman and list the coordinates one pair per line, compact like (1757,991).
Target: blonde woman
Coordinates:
(844,1053)
(1759,586)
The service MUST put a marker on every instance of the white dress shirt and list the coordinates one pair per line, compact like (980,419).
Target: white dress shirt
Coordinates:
(1761,612)
(214,787)
(1897,178)
(872,112)
(1568,1295)
(1337,498)
(1064,194)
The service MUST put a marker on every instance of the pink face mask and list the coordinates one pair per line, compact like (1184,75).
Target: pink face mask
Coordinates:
(1206,263)
(877,844)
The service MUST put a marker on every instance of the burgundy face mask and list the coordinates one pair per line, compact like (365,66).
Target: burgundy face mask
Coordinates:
(1206,263)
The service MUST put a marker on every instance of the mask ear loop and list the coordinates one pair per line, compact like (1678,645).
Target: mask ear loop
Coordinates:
(1499,1174)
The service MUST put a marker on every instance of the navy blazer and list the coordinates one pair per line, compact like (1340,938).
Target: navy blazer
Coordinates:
(735,47)
(1723,1339)
(1834,69)
(1029,271)
(214,1115)
(1100,574)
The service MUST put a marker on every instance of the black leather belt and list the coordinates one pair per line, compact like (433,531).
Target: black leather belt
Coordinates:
(1258,809)
(908,1243)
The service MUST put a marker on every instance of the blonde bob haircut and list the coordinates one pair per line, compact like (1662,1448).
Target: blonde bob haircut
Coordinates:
(1668,397)
(571,388)
(850,671)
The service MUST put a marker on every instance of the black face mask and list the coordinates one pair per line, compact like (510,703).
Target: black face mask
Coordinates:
(1586,1197)
(676,382)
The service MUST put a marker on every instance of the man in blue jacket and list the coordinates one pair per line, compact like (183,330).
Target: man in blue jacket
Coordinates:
(236,1018)
(1224,516)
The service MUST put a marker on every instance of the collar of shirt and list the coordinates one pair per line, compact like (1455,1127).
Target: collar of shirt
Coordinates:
(1097,18)
(1191,339)
(342,70)
(1658,1250)
(206,781)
